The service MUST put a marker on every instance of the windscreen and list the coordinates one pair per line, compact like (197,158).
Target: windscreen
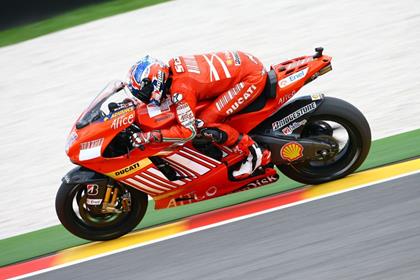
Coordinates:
(113,97)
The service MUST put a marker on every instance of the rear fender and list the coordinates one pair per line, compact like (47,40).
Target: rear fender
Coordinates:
(290,119)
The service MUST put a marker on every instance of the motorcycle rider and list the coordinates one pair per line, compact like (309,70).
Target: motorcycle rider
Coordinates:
(232,79)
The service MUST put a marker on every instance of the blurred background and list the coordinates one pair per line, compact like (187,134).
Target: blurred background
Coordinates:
(21,12)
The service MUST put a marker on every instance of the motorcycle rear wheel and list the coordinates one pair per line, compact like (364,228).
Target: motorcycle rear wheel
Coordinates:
(76,218)
(352,155)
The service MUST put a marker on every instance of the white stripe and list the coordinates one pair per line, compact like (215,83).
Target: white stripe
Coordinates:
(230,94)
(218,106)
(185,173)
(197,153)
(150,182)
(142,186)
(213,71)
(208,226)
(191,164)
(183,170)
(223,65)
(193,70)
(156,179)
(225,99)
(199,159)
(160,174)
(229,149)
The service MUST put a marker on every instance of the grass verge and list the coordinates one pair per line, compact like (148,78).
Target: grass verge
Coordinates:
(71,18)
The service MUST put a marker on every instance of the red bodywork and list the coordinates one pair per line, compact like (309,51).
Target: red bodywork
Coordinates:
(204,177)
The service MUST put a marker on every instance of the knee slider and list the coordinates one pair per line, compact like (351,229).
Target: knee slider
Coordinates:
(215,134)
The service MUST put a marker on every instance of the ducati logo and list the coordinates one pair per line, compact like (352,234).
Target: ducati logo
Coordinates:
(241,99)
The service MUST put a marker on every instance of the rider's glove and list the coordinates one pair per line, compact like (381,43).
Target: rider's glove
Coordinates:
(139,139)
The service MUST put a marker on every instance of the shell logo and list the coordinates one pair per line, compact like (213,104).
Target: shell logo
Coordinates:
(291,151)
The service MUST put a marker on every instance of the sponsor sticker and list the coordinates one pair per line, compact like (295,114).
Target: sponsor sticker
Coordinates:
(293,78)
(93,201)
(120,112)
(185,114)
(157,81)
(286,97)
(191,64)
(316,96)
(229,58)
(91,149)
(245,96)
(291,151)
(237,59)
(192,197)
(293,116)
(128,170)
(178,65)
(261,182)
(122,121)
(291,127)
(227,97)
(92,189)
(299,63)
(258,183)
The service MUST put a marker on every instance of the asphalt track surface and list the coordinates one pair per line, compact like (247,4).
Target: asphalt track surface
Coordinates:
(370,233)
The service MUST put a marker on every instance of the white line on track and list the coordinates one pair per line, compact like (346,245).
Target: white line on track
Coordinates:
(213,225)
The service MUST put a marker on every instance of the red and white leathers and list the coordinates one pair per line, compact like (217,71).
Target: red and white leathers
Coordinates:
(234,80)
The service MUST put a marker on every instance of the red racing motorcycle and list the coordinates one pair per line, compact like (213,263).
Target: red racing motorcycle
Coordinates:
(312,139)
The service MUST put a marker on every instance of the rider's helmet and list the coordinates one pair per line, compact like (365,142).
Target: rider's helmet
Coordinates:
(147,80)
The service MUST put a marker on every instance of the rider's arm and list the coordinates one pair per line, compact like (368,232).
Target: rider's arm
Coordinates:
(185,129)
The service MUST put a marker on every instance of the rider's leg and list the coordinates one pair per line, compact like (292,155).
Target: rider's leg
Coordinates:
(229,103)
(242,143)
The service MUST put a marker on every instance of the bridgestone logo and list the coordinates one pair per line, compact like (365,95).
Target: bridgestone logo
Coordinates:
(293,116)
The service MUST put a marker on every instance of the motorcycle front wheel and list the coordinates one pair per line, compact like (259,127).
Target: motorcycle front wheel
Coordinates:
(93,222)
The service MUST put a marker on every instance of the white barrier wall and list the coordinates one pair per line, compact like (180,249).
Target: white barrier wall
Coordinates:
(46,82)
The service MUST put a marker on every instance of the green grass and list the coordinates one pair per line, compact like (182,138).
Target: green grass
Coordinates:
(70,19)
(55,238)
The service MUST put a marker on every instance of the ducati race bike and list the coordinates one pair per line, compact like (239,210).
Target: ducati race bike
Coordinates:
(312,139)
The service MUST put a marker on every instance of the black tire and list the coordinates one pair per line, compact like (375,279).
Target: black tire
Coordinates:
(357,127)
(88,230)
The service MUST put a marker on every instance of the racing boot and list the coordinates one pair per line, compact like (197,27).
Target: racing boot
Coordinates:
(256,157)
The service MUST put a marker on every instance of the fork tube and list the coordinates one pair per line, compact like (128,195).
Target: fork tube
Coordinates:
(107,196)
(114,197)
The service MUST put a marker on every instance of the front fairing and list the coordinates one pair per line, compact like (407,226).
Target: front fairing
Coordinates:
(112,111)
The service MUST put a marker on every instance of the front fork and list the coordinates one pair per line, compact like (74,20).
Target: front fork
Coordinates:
(108,206)
(109,199)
